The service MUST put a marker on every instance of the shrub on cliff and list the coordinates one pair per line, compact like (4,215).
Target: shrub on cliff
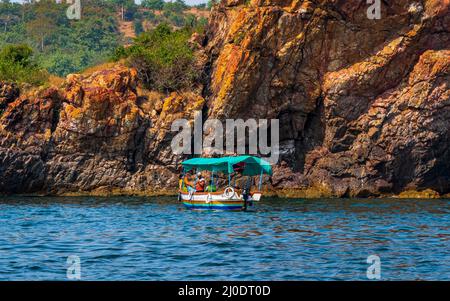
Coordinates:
(153,4)
(17,65)
(162,57)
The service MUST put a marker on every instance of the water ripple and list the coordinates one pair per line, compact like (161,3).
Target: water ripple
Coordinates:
(157,239)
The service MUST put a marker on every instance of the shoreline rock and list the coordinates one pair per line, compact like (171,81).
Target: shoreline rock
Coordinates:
(308,194)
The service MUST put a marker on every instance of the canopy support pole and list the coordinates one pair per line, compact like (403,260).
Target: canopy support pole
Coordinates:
(260,180)
(196,179)
(229,179)
(183,175)
(212,181)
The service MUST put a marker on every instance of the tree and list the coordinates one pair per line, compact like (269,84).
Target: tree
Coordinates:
(40,29)
(163,58)
(124,5)
(211,3)
(177,6)
(153,4)
(138,28)
(47,15)
(130,11)
(17,54)
(17,65)
(9,13)
(61,46)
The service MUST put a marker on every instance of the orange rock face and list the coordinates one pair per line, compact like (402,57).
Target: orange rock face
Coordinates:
(363,105)
(94,134)
(8,93)
(26,128)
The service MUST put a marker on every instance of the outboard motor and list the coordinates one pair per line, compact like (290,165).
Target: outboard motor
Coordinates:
(245,196)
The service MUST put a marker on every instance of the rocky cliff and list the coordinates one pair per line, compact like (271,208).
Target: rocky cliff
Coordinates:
(96,134)
(364,105)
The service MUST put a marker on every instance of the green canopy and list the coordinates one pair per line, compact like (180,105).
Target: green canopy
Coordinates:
(253,165)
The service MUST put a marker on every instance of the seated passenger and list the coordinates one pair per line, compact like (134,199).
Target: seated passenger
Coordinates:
(201,183)
(189,183)
(181,183)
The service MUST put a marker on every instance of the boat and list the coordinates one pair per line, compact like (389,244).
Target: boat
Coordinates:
(231,197)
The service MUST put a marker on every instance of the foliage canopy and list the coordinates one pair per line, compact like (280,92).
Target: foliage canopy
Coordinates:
(163,58)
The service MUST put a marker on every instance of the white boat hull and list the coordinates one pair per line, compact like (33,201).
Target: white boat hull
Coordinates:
(217,200)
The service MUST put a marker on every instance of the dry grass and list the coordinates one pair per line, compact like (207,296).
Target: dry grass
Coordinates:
(54,80)
(100,67)
(198,12)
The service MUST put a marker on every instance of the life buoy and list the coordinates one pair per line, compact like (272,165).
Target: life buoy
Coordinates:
(228,192)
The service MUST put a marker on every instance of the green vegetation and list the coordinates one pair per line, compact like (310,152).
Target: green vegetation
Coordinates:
(62,46)
(153,4)
(17,64)
(126,8)
(211,3)
(175,13)
(162,57)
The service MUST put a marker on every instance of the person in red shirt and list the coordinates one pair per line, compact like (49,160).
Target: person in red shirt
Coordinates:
(201,183)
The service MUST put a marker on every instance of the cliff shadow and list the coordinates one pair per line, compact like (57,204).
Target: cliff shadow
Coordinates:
(312,136)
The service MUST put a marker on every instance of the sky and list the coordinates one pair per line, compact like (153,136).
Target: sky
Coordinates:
(190,2)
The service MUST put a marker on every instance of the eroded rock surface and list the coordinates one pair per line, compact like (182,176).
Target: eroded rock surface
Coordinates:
(93,135)
(26,128)
(8,93)
(363,105)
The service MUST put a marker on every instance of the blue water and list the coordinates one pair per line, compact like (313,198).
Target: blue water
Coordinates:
(157,239)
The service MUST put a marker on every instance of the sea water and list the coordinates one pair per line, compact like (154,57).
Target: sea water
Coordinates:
(124,238)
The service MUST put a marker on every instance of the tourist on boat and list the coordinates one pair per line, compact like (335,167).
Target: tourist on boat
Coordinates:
(189,183)
(201,183)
